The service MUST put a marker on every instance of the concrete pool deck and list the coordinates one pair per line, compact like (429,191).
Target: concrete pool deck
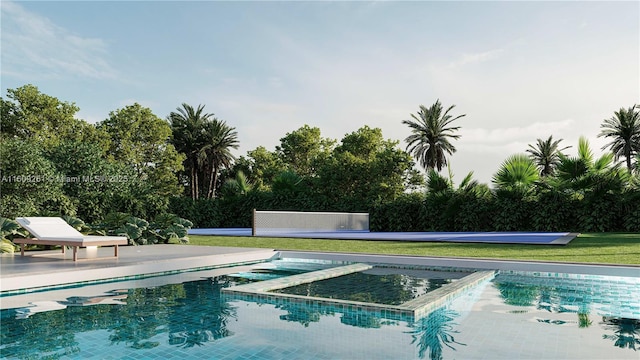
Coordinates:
(52,269)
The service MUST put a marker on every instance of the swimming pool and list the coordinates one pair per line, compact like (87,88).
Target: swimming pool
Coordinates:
(516,314)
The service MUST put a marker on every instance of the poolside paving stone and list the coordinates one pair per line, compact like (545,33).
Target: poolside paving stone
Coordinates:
(50,269)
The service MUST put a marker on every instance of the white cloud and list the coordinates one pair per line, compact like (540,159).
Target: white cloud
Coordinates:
(372,67)
(33,46)
(476,58)
(528,133)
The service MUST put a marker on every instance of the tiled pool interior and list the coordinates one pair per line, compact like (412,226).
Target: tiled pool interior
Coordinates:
(279,268)
(523,315)
(380,285)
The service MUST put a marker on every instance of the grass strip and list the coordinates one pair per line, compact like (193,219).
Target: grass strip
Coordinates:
(602,248)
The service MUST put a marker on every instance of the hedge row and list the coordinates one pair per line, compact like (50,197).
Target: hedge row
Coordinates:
(449,211)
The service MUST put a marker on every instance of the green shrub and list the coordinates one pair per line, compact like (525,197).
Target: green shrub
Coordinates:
(9,229)
(163,229)
(555,211)
(513,211)
(406,213)
(631,211)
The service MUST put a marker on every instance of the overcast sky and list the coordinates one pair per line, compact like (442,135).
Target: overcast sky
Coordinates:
(518,70)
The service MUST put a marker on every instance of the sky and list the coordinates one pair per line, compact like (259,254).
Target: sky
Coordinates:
(518,70)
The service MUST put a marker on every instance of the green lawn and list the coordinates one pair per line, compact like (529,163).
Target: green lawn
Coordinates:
(610,248)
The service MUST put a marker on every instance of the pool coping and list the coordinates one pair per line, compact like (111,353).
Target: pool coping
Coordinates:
(471,263)
(21,275)
(31,275)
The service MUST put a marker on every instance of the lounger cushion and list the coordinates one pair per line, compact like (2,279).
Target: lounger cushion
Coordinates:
(56,229)
(50,228)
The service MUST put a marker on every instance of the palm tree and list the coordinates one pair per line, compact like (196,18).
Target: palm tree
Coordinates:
(186,127)
(469,185)
(430,134)
(585,173)
(546,155)
(636,166)
(219,139)
(286,181)
(437,183)
(239,185)
(518,172)
(624,129)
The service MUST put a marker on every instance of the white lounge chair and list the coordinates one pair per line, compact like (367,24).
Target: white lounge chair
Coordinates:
(56,231)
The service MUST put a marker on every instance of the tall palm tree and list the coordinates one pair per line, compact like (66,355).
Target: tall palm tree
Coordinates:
(546,155)
(624,129)
(430,134)
(219,139)
(187,126)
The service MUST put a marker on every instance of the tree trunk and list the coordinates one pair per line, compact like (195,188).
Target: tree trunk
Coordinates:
(194,180)
(213,179)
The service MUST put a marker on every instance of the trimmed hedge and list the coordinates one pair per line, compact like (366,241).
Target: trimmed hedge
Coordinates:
(549,211)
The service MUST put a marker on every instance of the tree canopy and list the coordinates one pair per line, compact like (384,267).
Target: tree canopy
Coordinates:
(136,163)
(303,148)
(623,129)
(32,115)
(431,132)
(365,168)
(546,155)
(206,142)
(141,139)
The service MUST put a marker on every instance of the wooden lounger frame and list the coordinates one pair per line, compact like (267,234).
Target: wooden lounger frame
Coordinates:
(74,244)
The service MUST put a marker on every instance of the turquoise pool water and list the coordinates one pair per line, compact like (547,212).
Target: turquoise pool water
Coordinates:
(515,316)
(283,267)
(389,286)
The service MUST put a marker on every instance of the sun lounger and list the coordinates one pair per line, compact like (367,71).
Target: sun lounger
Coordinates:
(56,231)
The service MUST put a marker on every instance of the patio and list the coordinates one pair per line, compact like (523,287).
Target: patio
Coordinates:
(52,268)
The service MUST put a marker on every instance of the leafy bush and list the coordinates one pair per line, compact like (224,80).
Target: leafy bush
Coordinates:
(437,218)
(555,211)
(30,183)
(513,211)
(631,211)
(164,228)
(600,212)
(471,212)
(204,213)
(9,229)
(448,210)
(168,227)
(405,213)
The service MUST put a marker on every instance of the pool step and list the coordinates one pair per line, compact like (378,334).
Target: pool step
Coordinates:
(419,307)
(292,280)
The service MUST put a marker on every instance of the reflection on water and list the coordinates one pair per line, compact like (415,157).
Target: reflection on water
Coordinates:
(183,318)
(191,313)
(617,300)
(389,289)
(186,315)
(626,332)
(433,331)
(300,313)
